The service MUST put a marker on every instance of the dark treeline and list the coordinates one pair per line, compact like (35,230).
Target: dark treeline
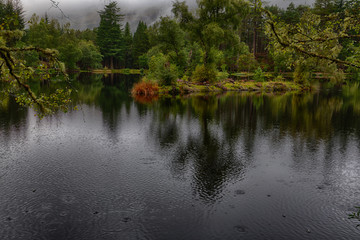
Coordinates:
(204,44)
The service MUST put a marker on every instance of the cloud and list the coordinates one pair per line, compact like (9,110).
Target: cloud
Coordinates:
(84,13)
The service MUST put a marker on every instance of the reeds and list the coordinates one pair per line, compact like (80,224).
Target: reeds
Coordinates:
(145,89)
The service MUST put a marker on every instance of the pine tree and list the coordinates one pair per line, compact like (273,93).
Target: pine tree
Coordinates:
(128,41)
(11,14)
(109,35)
(140,43)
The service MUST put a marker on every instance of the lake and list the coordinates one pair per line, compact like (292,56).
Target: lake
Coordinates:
(217,166)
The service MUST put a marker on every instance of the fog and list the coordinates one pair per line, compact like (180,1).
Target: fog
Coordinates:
(84,13)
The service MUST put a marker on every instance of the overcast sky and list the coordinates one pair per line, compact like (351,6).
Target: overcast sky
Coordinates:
(83,13)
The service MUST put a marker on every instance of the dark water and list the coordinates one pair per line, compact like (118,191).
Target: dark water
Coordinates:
(233,166)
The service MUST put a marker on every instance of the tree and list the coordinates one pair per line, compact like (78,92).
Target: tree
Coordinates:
(109,35)
(90,55)
(15,71)
(44,33)
(293,14)
(11,14)
(324,7)
(215,24)
(15,74)
(315,43)
(171,41)
(128,42)
(140,43)
(215,27)
(70,52)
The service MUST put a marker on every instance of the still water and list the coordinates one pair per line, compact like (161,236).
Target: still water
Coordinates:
(230,166)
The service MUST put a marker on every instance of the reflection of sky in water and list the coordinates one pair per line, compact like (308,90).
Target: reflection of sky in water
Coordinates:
(192,168)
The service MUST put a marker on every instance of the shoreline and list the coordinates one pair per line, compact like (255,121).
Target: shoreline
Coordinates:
(185,87)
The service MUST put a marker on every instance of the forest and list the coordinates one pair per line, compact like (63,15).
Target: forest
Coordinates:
(213,42)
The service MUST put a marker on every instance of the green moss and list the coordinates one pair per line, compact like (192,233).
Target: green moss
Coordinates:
(185,87)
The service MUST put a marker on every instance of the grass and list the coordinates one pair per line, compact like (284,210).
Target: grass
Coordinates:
(145,89)
(121,71)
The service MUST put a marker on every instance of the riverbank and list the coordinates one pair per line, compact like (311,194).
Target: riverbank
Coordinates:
(185,87)
(120,71)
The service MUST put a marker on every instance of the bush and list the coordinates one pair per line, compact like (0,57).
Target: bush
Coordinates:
(91,57)
(162,71)
(143,61)
(247,62)
(302,74)
(259,75)
(222,75)
(145,88)
(279,78)
(203,74)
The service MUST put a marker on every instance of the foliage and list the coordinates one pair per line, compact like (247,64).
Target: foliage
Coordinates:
(43,33)
(279,78)
(109,34)
(302,73)
(259,75)
(11,15)
(143,61)
(222,75)
(162,71)
(145,88)
(247,62)
(314,44)
(171,42)
(193,58)
(204,74)
(128,45)
(73,51)
(140,43)
(70,53)
(90,55)
(215,24)
(16,74)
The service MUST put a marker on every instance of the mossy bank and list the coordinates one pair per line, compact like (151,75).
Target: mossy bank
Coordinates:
(186,87)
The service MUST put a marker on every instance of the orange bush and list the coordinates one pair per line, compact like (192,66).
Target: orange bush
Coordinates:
(145,89)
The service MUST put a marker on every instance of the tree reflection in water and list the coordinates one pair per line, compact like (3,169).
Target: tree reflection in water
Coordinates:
(158,159)
(215,135)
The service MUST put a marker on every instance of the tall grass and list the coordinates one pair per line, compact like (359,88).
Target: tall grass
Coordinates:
(145,88)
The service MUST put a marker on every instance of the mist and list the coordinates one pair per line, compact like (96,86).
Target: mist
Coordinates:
(84,14)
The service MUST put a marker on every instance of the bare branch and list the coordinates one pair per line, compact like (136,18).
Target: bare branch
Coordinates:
(55,4)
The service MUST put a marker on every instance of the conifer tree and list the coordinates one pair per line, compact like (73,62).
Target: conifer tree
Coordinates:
(109,35)
(140,43)
(128,41)
(11,14)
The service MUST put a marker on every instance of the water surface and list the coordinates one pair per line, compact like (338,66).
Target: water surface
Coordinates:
(230,166)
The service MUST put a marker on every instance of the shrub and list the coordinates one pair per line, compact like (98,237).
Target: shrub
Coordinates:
(145,88)
(222,75)
(143,61)
(302,74)
(259,75)
(279,78)
(162,71)
(247,62)
(203,74)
